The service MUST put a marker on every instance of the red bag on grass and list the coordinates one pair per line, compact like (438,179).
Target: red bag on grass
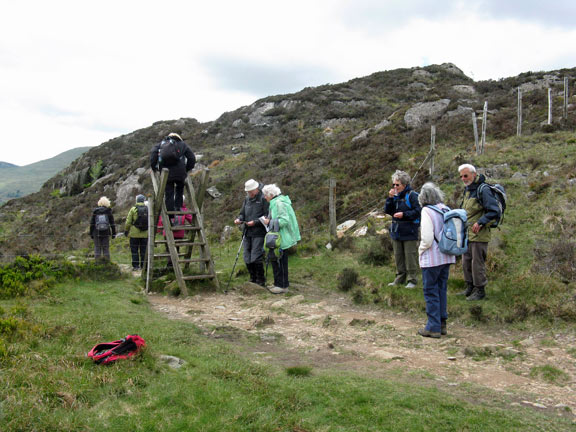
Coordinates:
(105,353)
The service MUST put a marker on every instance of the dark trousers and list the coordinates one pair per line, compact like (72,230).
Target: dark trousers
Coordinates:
(138,249)
(435,281)
(280,268)
(253,250)
(173,195)
(101,247)
(474,264)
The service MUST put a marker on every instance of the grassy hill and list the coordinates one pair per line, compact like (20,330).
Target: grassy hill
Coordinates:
(18,181)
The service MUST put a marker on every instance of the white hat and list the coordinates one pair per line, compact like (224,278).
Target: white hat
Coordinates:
(250,185)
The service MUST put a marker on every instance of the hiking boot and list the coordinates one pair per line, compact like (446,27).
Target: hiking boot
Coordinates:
(477,294)
(427,333)
(410,285)
(443,330)
(396,282)
(467,291)
(277,290)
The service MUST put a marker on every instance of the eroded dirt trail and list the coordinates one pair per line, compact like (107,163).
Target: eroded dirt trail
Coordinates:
(326,329)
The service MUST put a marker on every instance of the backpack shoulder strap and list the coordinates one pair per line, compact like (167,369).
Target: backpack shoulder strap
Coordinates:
(407,197)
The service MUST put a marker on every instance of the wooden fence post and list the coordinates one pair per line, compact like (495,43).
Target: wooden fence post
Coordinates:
(475,126)
(549,105)
(484,121)
(432,150)
(519,124)
(566,96)
(332,208)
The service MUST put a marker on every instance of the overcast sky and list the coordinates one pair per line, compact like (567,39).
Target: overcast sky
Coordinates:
(75,73)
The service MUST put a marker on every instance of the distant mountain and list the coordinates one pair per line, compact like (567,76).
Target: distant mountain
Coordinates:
(18,181)
(7,165)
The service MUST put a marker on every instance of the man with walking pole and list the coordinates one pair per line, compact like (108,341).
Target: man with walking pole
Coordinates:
(253,208)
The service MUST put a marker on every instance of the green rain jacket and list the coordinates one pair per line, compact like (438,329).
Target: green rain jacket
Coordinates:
(281,209)
(134,232)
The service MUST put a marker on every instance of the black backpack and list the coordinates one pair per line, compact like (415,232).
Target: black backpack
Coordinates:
(170,152)
(141,221)
(500,193)
(101,223)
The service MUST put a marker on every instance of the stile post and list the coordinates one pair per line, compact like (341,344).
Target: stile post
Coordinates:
(332,208)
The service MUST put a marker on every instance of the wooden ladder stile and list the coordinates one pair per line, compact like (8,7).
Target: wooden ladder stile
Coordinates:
(194,235)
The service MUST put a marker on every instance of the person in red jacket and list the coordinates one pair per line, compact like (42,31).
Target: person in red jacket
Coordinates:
(179,220)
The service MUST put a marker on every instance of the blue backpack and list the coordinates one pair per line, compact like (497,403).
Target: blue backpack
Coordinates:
(454,235)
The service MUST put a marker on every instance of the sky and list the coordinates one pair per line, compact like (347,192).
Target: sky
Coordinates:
(76,73)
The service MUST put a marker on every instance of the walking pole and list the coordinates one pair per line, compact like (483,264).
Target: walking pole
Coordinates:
(236,260)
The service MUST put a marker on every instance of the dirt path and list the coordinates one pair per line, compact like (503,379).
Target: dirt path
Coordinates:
(328,330)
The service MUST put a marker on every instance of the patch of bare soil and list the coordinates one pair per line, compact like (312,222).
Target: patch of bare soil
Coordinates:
(326,329)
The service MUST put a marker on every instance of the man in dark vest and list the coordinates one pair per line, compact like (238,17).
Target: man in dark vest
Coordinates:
(182,161)
(254,207)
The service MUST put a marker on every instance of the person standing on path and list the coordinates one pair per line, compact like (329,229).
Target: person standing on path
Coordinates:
(481,211)
(253,208)
(102,226)
(402,204)
(435,264)
(136,229)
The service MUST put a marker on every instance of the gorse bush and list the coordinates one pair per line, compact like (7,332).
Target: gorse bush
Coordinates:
(347,279)
(379,252)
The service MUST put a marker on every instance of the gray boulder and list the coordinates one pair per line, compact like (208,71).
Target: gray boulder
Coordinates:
(128,190)
(425,111)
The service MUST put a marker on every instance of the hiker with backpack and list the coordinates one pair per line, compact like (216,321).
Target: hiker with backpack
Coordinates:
(173,153)
(281,215)
(483,210)
(434,263)
(402,204)
(102,226)
(254,207)
(136,229)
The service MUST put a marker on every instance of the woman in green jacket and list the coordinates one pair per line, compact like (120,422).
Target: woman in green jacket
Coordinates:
(281,211)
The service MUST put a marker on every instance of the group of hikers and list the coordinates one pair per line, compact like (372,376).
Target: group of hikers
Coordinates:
(264,209)
(418,222)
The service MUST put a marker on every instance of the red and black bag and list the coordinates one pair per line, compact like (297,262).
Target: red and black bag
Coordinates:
(105,353)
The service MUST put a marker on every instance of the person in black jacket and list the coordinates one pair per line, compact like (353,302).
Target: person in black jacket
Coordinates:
(178,169)
(102,226)
(254,207)
(402,204)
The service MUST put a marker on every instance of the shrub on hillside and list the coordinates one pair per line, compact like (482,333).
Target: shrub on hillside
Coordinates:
(347,279)
(556,257)
(27,275)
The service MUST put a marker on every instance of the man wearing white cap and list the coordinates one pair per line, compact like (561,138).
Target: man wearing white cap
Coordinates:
(253,208)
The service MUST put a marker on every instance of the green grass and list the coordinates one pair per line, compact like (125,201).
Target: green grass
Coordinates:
(48,383)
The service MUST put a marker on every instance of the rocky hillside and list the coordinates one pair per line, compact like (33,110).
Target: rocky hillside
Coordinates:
(358,132)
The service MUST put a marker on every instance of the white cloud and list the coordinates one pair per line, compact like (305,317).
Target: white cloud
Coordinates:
(76,74)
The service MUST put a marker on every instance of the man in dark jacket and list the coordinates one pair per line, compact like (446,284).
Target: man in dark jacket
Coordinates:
(254,207)
(178,167)
(481,209)
(402,204)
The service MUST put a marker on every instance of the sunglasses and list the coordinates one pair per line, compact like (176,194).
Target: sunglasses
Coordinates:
(396,184)
(464,176)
